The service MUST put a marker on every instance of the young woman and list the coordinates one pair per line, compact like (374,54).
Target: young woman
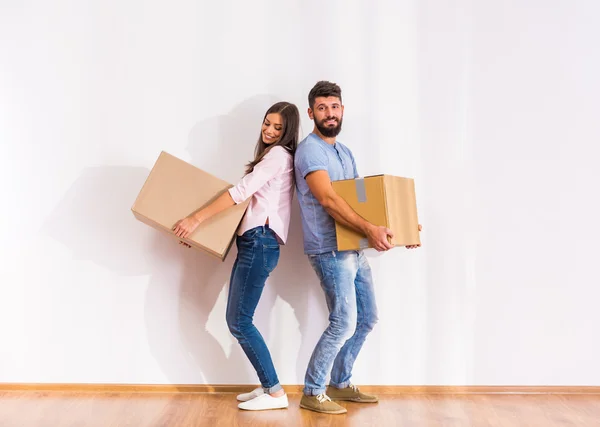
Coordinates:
(270,184)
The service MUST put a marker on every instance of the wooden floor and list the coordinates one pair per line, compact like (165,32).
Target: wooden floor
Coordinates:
(77,409)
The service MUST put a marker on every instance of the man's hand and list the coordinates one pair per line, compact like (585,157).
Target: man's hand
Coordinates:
(184,227)
(378,238)
(415,246)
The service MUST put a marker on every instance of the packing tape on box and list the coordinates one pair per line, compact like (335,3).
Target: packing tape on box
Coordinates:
(363,243)
(361,191)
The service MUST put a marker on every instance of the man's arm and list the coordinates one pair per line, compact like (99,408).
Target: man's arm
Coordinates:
(320,186)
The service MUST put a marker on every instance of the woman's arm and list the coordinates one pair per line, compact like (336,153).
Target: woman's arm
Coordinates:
(186,226)
(272,164)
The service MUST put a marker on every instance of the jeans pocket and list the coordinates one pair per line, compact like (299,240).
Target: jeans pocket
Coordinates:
(324,265)
(270,257)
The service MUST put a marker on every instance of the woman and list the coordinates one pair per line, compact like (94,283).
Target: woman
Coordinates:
(269,181)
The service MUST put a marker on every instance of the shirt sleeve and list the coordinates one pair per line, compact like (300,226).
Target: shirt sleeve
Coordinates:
(274,163)
(310,159)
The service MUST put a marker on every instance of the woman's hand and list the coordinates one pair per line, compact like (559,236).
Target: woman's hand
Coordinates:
(186,226)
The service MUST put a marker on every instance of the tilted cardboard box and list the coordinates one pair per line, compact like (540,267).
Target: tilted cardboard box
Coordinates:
(384,200)
(173,190)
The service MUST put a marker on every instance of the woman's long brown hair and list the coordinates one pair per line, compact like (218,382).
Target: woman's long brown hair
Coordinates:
(289,132)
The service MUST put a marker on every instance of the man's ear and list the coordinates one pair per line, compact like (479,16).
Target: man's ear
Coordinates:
(310,114)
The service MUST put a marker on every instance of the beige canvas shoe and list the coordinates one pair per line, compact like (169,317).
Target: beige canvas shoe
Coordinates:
(321,403)
(350,394)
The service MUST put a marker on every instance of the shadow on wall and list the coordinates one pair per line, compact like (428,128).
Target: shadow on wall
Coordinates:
(95,222)
(222,145)
(101,199)
(185,284)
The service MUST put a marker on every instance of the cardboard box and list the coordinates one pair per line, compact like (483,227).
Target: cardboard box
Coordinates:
(173,190)
(384,200)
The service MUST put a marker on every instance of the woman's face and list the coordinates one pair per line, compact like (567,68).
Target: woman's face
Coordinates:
(271,128)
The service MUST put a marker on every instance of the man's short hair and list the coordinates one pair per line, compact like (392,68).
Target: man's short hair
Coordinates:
(325,89)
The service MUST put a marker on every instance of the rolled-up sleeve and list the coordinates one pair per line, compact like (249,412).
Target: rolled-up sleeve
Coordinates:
(274,163)
(310,158)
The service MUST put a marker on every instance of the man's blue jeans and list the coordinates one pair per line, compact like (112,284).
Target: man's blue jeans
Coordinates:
(348,285)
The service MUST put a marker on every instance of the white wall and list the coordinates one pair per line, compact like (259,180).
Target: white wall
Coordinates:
(491,106)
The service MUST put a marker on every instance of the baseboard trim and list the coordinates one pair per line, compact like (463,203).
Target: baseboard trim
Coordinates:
(294,389)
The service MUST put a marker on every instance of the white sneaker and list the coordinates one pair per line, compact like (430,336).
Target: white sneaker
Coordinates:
(265,402)
(244,397)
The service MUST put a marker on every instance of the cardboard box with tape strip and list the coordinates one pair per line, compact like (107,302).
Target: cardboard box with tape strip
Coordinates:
(173,190)
(384,200)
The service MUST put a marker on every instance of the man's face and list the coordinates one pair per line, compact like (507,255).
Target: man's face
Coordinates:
(328,113)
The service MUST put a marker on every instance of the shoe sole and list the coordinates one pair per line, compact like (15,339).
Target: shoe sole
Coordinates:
(341,411)
(349,399)
(264,409)
(246,400)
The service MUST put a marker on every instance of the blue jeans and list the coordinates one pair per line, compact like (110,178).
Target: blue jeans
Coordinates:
(258,254)
(348,285)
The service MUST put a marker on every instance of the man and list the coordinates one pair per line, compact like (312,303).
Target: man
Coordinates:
(345,276)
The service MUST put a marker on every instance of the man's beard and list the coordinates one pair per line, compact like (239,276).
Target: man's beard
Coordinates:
(327,131)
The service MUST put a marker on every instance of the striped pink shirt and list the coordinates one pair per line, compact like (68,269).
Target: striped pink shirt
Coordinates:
(271,185)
